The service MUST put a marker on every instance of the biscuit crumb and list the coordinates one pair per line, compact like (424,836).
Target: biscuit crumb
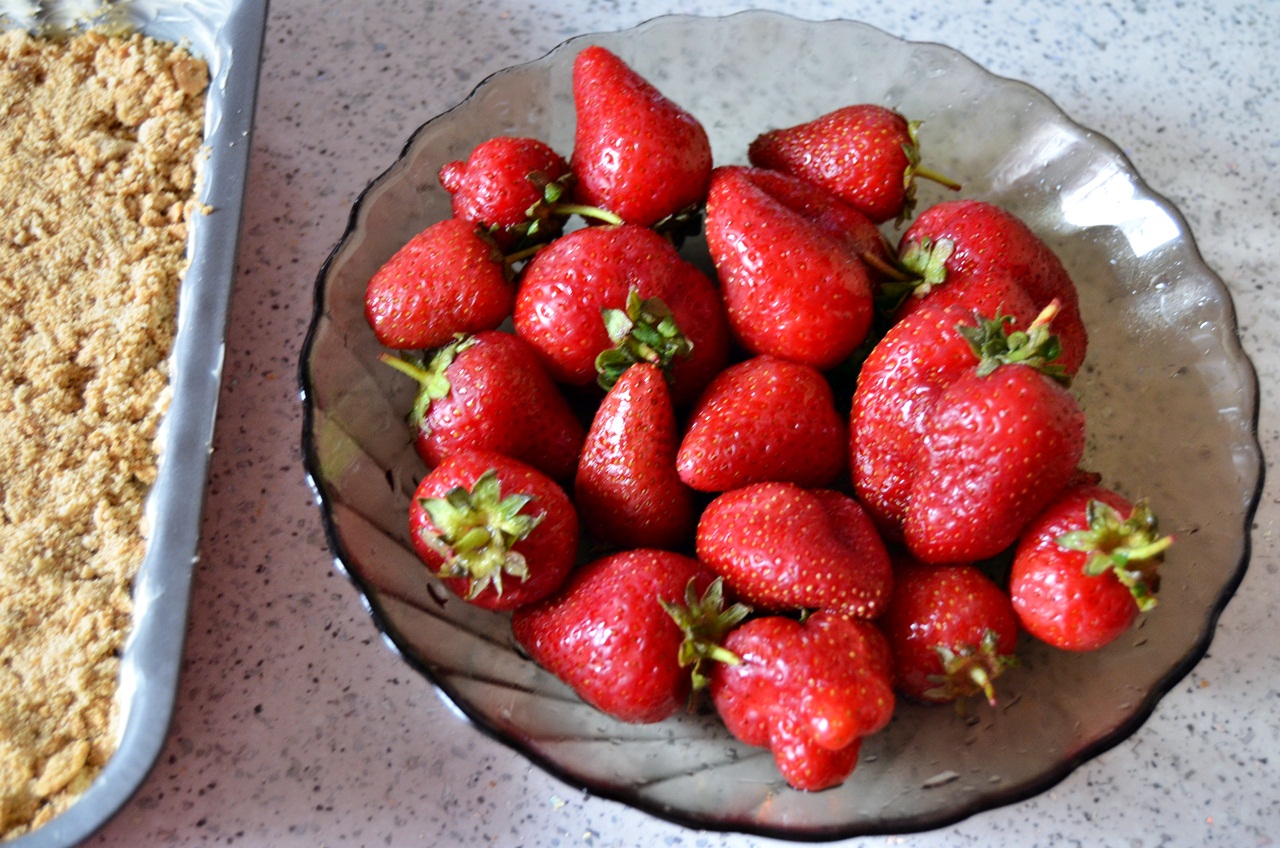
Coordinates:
(100,141)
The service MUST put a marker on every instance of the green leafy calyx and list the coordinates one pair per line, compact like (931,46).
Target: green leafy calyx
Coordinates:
(475,533)
(432,378)
(922,265)
(705,621)
(970,669)
(915,170)
(1132,548)
(645,331)
(1037,346)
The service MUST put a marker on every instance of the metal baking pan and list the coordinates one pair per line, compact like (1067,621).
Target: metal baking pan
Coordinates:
(228,34)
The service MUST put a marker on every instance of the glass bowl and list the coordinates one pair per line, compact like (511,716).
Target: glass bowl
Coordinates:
(1170,397)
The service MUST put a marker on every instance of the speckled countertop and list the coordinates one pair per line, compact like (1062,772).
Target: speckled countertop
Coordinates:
(295,726)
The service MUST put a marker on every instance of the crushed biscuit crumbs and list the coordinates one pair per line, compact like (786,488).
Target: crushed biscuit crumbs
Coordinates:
(100,139)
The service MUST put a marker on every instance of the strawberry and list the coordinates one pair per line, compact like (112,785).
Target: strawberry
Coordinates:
(448,279)
(499,533)
(617,635)
(827,211)
(791,287)
(626,293)
(780,547)
(510,186)
(957,243)
(865,154)
(809,691)
(995,290)
(952,631)
(878,652)
(896,389)
(999,443)
(763,419)
(627,490)
(489,392)
(636,153)
(1085,568)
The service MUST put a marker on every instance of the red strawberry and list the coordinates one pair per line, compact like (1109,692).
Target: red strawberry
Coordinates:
(490,392)
(951,629)
(827,211)
(763,419)
(627,490)
(598,289)
(1085,568)
(958,243)
(879,654)
(636,153)
(898,385)
(448,279)
(509,186)
(791,287)
(499,533)
(996,290)
(808,691)
(781,547)
(610,636)
(865,154)
(1000,442)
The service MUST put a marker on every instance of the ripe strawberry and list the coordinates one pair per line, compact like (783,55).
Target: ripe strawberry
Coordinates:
(807,691)
(827,211)
(791,288)
(610,635)
(957,243)
(499,533)
(627,490)
(490,392)
(996,290)
(625,288)
(896,390)
(1000,442)
(448,279)
(952,631)
(781,547)
(509,186)
(763,419)
(865,154)
(636,153)
(1085,568)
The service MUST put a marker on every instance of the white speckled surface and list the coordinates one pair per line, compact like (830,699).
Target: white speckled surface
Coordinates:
(295,726)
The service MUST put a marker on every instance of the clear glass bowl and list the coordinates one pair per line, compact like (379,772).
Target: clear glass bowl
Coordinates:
(1170,397)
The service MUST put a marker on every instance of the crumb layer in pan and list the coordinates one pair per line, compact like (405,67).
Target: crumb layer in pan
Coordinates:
(100,143)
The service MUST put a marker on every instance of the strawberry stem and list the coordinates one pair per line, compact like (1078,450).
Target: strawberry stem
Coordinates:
(590,212)
(522,254)
(886,269)
(937,177)
(404,366)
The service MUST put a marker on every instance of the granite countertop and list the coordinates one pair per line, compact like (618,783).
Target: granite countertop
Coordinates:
(296,726)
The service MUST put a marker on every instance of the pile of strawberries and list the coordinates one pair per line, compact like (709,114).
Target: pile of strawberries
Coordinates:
(828,473)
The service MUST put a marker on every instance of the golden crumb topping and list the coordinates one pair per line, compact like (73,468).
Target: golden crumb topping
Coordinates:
(100,139)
